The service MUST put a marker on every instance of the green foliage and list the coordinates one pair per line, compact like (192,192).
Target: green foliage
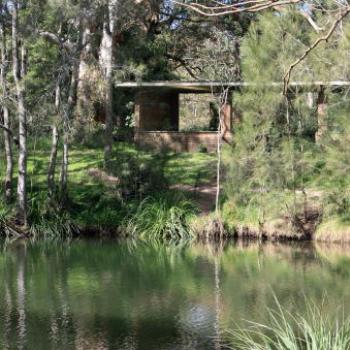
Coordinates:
(3,217)
(275,168)
(98,206)
(164,216)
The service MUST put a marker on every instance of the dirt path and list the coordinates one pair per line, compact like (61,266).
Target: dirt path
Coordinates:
(203,195)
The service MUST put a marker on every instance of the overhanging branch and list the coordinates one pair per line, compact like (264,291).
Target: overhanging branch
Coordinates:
(222,9)
(318,41)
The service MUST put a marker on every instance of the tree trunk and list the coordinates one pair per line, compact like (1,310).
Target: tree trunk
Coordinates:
(221,134)
(83,103)
(6,117)
(22,120)
(66,122)
(53,156)
(67,116)
(107,61)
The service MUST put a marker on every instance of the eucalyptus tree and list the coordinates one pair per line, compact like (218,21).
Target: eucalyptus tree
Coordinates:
(107,63)
(19,72)
(65,31)
(8,134)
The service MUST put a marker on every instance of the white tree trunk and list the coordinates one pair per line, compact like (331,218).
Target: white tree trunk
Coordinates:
(22,120)
(6,117)
(221,132)
(83,98)
(66,121)
(67,116)
(55,136)
(107,62)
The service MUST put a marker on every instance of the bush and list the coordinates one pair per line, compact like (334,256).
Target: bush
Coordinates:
(138,178)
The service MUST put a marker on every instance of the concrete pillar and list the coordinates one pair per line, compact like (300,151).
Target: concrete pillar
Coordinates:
(321,115)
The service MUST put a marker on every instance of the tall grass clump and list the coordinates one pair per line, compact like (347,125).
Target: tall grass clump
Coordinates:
(57,226)
(314,331)
(48,221)
(2,222)
(4,216)
(165,216)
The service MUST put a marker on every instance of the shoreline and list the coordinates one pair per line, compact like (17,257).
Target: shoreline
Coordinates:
(242,233)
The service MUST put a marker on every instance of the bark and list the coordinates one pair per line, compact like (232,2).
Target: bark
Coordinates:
(310,99)
(55,137)
(6,117)
(67,116)
(83,96)
(19,68)
(66,121)
(106,60)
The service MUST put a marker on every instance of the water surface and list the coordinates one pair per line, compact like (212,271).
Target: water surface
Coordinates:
(123,295)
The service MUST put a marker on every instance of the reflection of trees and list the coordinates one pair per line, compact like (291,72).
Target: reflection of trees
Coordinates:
(217,292)
(7,314)
(216,250)
(20,253)
(108,294)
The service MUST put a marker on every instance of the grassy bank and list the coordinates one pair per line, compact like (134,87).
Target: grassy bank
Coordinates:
(139,184)
(159,195)
(286,217)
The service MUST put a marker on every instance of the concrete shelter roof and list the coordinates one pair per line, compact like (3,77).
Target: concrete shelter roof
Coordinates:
(216,86)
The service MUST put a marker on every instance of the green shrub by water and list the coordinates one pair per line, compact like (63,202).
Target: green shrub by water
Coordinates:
(163,216)
(285,331)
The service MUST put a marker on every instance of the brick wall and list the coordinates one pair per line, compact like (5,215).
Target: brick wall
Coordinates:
(177,141)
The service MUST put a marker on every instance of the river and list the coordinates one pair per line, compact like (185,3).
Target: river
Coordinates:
(90,294)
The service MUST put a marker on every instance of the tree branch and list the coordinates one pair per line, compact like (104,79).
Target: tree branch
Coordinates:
(311,21)
(2,126)
(332,29)
(182,64)
(9,131)
(221,9)
(56,40)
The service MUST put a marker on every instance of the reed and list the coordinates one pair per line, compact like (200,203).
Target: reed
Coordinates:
(313,331)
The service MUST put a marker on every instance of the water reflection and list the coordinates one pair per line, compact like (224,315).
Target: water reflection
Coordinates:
(109,295)
(21,293)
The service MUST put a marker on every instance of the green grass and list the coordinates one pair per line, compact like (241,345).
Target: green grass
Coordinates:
(95,204)
(190,168)
(286,331)
(166,215)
